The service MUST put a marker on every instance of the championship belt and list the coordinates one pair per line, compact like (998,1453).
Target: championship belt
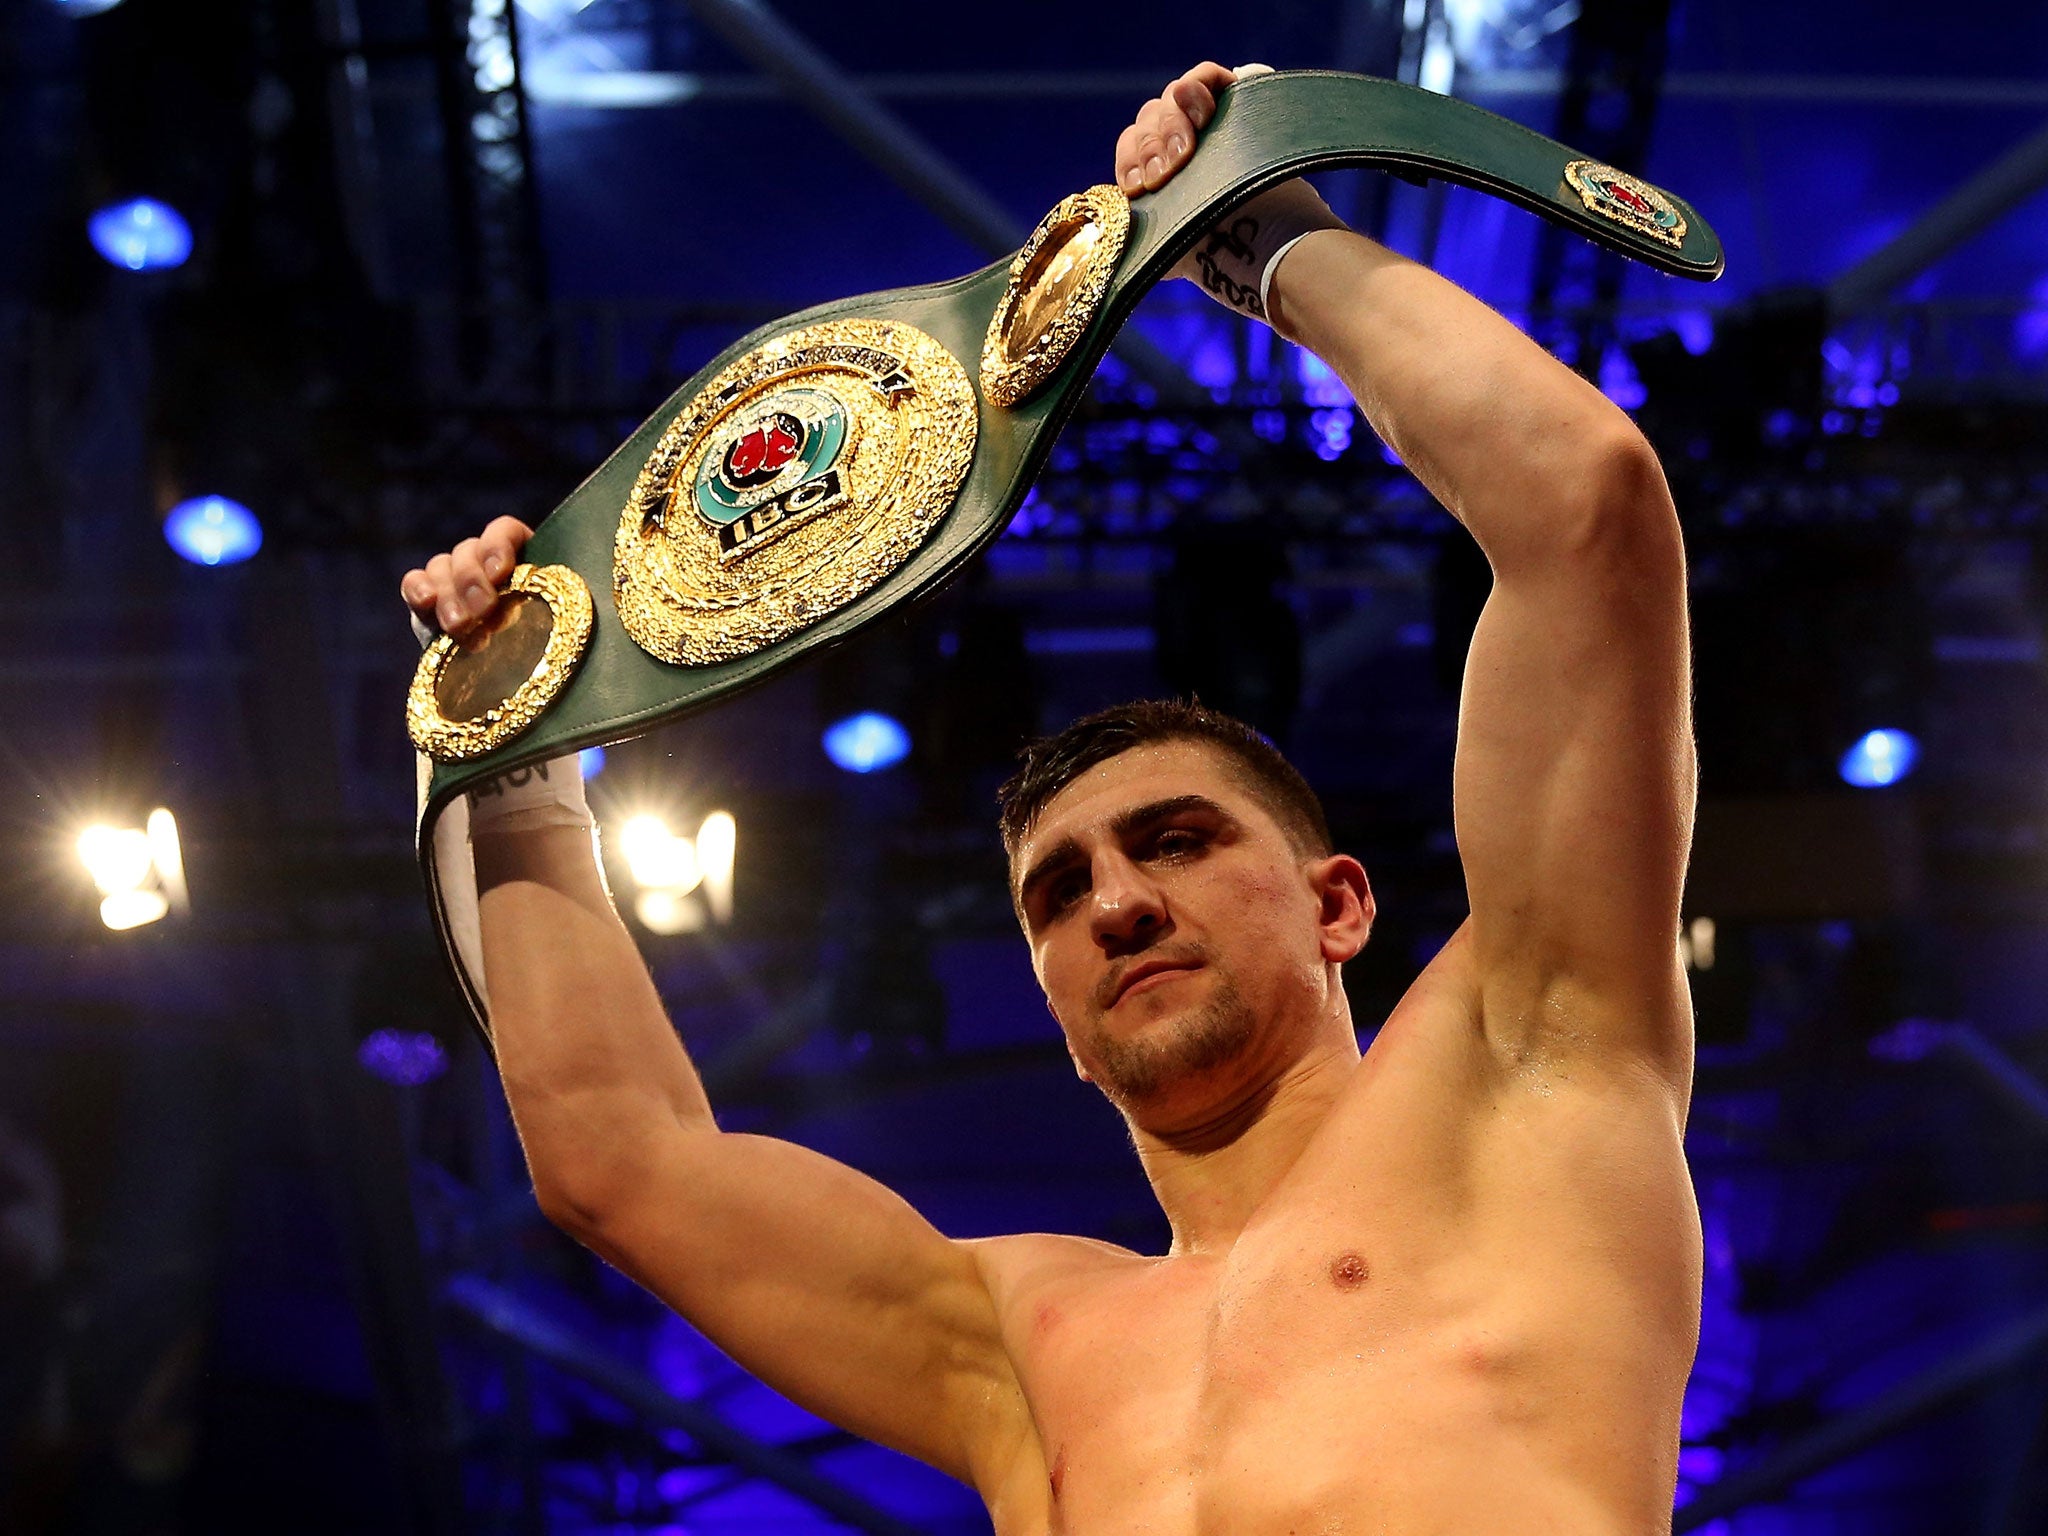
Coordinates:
(852,457)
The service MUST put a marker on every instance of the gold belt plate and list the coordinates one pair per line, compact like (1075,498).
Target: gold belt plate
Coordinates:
(471,696)
(1056,286)
(795,481)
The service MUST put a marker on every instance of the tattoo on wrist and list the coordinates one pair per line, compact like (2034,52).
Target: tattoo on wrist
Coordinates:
(1233,293)
(1233,240)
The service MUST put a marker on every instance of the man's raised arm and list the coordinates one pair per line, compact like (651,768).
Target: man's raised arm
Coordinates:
(1575,771)
(1575,778)
(811,1275)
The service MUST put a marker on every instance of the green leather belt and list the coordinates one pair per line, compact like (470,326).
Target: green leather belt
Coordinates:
(1266,129)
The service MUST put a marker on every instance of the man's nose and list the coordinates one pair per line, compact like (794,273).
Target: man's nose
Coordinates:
(1127,908)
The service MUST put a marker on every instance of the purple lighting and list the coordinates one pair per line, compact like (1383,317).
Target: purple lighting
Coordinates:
(407,1057)
(1695,329)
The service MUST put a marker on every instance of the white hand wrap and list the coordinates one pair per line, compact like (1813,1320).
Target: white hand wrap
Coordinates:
(544,795)
(1235,264)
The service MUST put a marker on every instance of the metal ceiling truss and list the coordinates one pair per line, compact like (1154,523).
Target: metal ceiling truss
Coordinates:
(488,154)
(1844,1434)
(535,1330)
(1613,74)
(813,82)
(1977,202)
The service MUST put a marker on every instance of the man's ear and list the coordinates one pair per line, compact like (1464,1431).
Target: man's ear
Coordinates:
(1345,907)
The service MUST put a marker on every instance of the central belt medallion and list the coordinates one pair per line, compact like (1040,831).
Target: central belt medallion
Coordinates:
(796,480)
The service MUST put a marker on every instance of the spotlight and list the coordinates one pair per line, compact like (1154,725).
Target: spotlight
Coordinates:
(590,762)
(1879,758)
(83,7)
(667,912)
(669,871)
(1696,944)
(866,742)
(553,10)
(139,872)
(122,910)
(658,858)
(165,853)
(142,235)
(717,839)
(117,858)
(213,530)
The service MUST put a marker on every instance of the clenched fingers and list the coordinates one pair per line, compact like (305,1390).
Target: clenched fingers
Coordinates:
(1159,142)
(458,588)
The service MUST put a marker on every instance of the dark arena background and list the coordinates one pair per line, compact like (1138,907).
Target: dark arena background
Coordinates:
(269,1261)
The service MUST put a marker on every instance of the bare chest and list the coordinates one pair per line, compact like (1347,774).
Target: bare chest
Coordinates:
(1151,1384)
(1363,1358)
(1439,1290)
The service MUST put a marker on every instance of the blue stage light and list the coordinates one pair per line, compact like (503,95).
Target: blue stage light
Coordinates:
(1619,380)
(590,762)
(212,530)
(866,742)
(407,1057)
(1695,328)
(1879,758)
(141,234)
(84,7)
(1214,363)
(1320,385)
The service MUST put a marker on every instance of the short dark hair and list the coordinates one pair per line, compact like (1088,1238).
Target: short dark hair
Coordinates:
(1053,762)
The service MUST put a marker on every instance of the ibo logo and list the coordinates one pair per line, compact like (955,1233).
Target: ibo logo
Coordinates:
(772,466)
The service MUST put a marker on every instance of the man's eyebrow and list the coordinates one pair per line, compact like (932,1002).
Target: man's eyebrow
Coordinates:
(1138,816)
(1067,850)
(1056,858)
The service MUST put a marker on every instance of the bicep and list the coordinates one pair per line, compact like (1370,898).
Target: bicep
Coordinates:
(824,1284)
(1575,773)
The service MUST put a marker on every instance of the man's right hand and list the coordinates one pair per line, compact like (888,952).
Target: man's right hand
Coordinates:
(457,590)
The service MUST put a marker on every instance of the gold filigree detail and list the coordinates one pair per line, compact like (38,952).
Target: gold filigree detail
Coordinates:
(909,428)
(1597,186)
(471,696)
(1056,286)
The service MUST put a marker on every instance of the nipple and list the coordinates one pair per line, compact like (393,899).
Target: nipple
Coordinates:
(1348,1271)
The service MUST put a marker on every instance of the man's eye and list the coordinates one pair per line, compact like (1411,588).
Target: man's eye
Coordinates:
(1175,840)
(1063,893)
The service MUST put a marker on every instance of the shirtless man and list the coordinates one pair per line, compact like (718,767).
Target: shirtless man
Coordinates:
(1450,1287)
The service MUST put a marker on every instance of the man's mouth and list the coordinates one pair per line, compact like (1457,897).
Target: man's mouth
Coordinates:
(1144,971)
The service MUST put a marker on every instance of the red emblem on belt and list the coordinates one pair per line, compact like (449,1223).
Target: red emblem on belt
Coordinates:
(759,454)
(1628,196)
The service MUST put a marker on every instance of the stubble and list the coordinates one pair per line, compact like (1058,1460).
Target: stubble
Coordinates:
(1132,1071)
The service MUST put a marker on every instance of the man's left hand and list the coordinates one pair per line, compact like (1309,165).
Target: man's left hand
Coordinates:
(1157,145)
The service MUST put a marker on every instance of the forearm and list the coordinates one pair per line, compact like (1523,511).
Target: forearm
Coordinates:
(590,1062)
(1511,441)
